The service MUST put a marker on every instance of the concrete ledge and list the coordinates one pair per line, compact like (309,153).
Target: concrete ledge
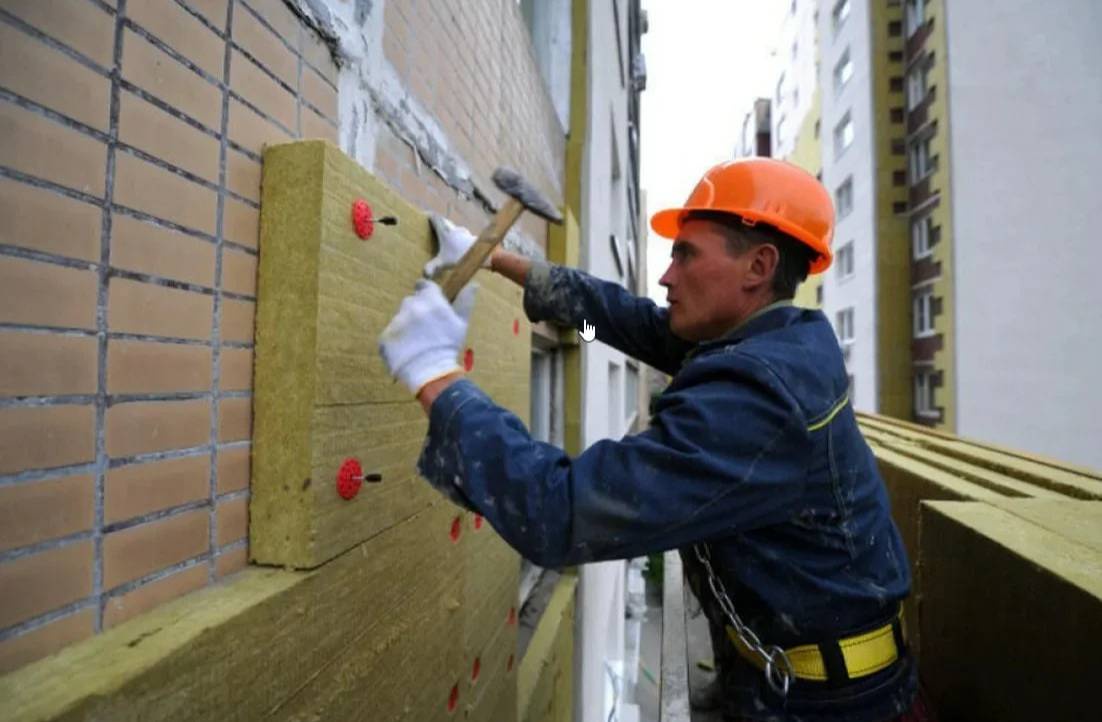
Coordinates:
(674,687)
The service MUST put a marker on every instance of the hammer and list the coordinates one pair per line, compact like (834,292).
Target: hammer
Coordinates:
(522,196)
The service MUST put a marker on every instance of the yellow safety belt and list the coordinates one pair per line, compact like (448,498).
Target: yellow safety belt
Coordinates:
(864,654)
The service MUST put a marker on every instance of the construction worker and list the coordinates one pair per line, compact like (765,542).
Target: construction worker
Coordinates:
(753,465)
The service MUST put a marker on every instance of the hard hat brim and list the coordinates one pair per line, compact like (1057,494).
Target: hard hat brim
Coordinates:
(667,223)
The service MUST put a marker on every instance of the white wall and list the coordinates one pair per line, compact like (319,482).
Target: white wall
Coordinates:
(1025,103)
(798,84)
(599,630)
(857,161)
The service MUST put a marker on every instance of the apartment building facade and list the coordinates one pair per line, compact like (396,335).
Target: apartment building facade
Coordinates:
(896,84)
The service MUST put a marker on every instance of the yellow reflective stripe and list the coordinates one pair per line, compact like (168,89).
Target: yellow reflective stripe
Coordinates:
(830,416)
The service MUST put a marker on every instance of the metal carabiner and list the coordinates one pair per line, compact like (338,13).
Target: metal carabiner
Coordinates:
(778,677)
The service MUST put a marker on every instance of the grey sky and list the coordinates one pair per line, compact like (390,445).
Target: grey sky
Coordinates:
(706,62)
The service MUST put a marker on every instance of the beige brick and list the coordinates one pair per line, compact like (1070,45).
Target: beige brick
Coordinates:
(241,223)
(44,437)
(239,272)
(43,294)
(138,489)
(45,640)
(319,93)
(46,364)
(212,10)
(233,469)
(48,76)
(35,511)
(135,552)
(314,127)
(146,308)
(161,193)
(148,426)
(49,222)
(82,26)
(181,31)
(147,127)
(235,419)
(147,367)
(232,520)
(40,147)
(159,251)
(243,175)
(317,54)
(38,583)
(262,44)
(251,131)
(159,74)
(237,369)
(233,560)
(238,320)
(119,609)
(277,15)
(248,81)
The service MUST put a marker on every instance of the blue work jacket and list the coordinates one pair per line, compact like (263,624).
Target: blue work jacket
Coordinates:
(753,448)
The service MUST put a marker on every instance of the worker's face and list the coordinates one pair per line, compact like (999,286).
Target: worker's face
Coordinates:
(708,288)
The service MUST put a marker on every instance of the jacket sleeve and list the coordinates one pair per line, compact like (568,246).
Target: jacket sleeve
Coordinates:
(633,325)
(724,452)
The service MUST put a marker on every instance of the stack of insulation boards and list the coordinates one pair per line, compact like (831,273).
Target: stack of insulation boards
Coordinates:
(390,604)
(1006,550)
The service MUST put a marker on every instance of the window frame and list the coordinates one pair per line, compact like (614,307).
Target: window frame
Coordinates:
(844,62)
(921,230)
(846,267)
(839,14)
(847,184)
(922,309)
(923,387)
(914,16)
(844,326)
(921,161)
(840,131)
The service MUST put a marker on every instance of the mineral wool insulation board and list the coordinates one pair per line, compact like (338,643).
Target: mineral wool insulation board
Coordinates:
(322,395)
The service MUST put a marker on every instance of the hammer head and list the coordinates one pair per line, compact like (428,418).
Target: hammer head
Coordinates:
(509,181)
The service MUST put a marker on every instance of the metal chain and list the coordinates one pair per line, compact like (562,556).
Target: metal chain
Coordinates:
(778,667)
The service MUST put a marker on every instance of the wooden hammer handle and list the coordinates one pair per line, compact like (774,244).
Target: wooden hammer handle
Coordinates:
(482,247)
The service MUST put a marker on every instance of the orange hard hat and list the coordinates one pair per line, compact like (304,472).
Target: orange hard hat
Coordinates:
(764,190)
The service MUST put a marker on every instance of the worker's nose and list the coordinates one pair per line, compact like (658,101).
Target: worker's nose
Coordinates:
(667,277)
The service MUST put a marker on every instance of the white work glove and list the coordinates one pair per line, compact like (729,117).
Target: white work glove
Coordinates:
(422,342)
(454,242)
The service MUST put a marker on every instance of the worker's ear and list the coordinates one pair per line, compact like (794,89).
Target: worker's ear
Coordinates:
(762,263)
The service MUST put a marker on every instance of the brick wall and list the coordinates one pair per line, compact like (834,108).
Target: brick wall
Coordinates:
(130,133)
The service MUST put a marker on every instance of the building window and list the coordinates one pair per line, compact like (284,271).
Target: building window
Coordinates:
(895,29)
(844,325)
(917,85)
(795,48)
(922,231)
(631,393)
(924,394)
(843,198)
(796,97)
(844,261)
(922,163)
(843,135)
(839,15)
(896,115)
(793,7)
(818,126)
(615,401)
(915,16)
(843,71)
(923,312)
(779,137)
(819,294)
(780,88)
